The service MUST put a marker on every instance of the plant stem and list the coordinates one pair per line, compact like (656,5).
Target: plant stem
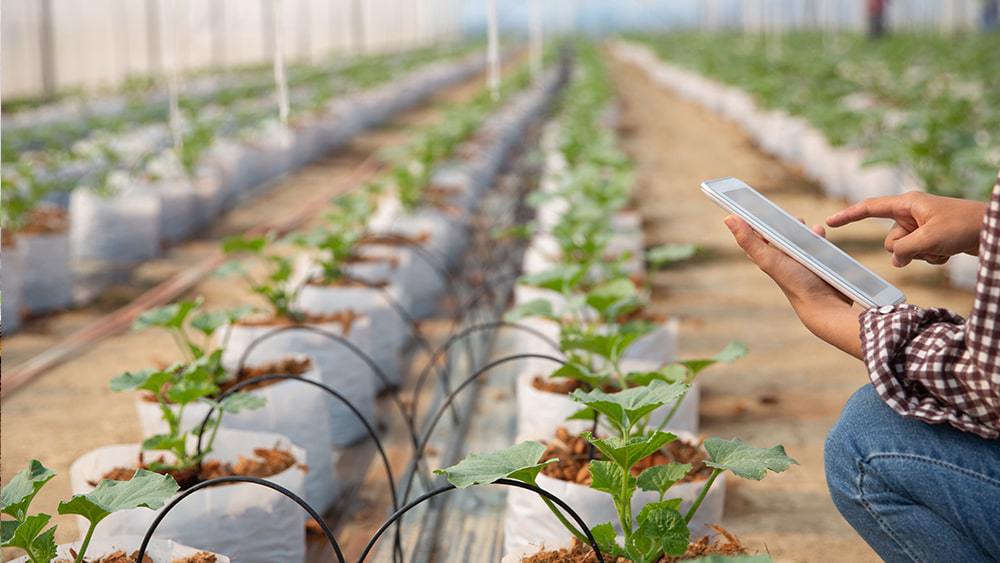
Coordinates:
(670,415)
(569,526)
(701,496)
(86,542)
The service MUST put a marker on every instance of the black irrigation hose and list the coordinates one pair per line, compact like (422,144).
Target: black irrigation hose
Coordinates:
(443,349)
(437,264)
(240,479)
(346,344)
(506,482)
(322,386)
(422,444)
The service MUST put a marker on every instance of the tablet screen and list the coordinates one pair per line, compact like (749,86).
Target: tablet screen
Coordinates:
(799,235)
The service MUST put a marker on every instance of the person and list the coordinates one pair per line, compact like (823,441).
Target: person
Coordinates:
(913,462)
(876,18)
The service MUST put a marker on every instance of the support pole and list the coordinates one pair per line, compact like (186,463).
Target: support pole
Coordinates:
(493,51)
(280,80)
(47,49)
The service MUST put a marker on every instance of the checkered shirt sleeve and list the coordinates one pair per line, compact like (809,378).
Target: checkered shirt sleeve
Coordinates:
(934,365)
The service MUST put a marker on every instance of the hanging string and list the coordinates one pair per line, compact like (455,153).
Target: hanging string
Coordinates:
(280,80)
(537,46)
(493,51)
(173,80)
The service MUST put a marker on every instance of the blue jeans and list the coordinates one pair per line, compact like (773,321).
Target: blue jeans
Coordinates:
(914,491)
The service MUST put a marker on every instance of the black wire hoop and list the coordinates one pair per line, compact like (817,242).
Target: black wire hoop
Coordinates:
(240,479)
(505,482)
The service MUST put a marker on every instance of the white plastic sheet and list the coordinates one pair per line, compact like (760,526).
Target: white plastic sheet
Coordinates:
(11,287)
(341,369)
(247,522)
(529,525)
(297,411)
(121,228)
(48,278)
(160,551)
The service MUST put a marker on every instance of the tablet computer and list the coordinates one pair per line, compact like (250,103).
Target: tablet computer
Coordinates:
(821,256)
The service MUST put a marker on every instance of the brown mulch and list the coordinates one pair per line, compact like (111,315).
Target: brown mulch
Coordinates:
(572,453)
(288,366)
(580,552)
(345,319)
(46,220)
(120,556)
(265,463)
(396,240)
(346,281)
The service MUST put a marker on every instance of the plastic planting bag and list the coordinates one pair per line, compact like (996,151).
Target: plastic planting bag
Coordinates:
(294,410)
(386,323)
(159,550)
(529,525)
(48,276)
(11,287)
(179,213)
(210,193)
(246,522)
(339,368)
(122,228)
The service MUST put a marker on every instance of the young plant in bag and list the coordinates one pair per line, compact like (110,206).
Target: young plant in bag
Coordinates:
(28,531)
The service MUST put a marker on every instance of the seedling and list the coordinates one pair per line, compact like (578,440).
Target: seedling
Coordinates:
(274,286)
(144,490)
(195,380)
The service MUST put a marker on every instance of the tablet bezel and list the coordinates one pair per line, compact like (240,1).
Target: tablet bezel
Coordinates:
(717,190)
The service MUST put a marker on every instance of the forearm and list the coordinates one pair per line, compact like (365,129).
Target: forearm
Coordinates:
(834,322)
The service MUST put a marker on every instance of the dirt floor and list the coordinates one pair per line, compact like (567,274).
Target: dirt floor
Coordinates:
(70,409)
(789,390)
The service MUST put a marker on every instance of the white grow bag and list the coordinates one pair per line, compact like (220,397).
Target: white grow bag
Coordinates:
(179,215)
(160,551)
(386,323)
(539,412)
(121,228)
(297,411)
(339,368)
(11,288)
(48,277)
(529,525)
(248,522)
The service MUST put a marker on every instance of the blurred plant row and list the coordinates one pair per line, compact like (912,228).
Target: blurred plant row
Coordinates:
(928,102)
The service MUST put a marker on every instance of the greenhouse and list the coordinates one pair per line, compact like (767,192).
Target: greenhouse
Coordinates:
(541,281)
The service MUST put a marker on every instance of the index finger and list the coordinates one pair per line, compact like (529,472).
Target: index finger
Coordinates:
(888,207)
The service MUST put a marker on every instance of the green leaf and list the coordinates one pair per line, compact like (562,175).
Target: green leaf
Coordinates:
(164,442)
(28,535)
(732,352)
(534,308)
(627,453)
(662,529)
(518,462)
(236,244)
(17,494)
(614,297)
(609,478)
(579,372)
(7,529)
(607,539)
(243,401)
(146,380)
(208,323)
(659,478)
(145,489)
(670,373)
(625,407)
(668,254)
(745,460)
(561,278)
(169,316)
(611,345)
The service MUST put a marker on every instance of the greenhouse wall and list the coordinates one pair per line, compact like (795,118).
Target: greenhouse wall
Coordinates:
(55,45)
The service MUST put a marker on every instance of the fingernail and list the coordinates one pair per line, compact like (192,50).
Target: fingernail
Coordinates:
(730,222)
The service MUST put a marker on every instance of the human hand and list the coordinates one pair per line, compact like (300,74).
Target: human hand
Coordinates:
(826,312)
(928,227)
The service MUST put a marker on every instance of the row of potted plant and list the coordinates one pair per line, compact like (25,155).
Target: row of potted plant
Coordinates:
(245,400)
(836,121)
(607,414)
(129,218)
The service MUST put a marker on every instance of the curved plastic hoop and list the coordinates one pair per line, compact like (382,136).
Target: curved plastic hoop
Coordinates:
(506,482)
(240,479)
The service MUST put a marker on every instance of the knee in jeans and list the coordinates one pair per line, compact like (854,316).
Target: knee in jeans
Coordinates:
(842,450)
